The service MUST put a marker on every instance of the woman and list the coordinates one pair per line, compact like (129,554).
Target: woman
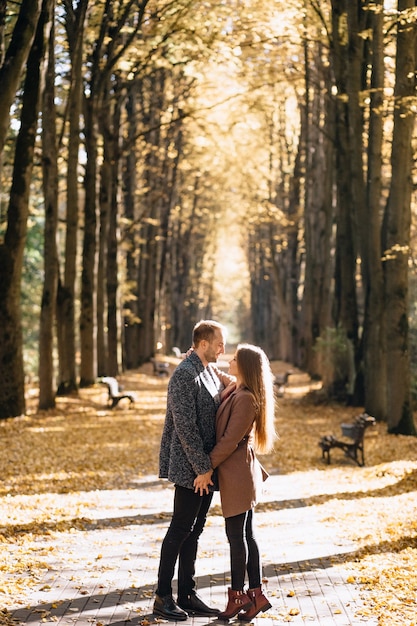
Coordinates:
(244,424)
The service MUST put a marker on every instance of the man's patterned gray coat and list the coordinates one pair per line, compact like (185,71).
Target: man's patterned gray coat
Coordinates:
(189,432)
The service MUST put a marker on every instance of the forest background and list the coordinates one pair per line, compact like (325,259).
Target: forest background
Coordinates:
(248,160)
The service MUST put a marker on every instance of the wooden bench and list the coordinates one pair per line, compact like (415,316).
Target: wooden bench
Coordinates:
(115,391)
(160,368)
(281,381)
(353,445)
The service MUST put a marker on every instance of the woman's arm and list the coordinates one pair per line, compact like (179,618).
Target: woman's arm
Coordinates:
(225,379)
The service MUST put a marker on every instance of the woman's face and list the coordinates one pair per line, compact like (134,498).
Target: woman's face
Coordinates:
(233,369)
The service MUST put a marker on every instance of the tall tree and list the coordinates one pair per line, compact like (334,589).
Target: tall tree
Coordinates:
(396,234)
(318,204)
(50,186)
(345,310)
(117,33)
(107,276)
(374,331)
(12,381)
(75,19)
(129,188)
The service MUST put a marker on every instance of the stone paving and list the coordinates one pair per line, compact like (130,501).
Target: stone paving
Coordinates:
(103,570)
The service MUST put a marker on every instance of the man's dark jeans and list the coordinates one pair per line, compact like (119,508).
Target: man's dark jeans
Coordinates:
(181,541)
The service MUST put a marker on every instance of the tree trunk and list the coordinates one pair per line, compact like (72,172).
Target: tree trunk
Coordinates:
(88,367)
(3,13)
(15,59)
(98,84)
(106,184)
(355,85)
(147,280)
(179,277)
(50,186)
(293,255)
(112,279)
(318,209)
(107,277)
(397,229)
(67,379)
(263,303)
(188,252)
(374,347)
(130,184)
(345,310)
(12,380)
(113,308)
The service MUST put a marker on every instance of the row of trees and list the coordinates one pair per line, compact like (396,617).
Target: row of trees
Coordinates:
(144,133)
(347,202)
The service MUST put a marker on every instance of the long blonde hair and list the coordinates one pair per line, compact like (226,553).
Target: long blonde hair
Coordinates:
(255,373)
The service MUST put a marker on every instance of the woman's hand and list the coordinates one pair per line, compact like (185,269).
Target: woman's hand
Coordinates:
(202,483)
(228,390)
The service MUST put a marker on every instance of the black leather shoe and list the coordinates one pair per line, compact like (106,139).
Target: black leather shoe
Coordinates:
(166,607)
(195,606)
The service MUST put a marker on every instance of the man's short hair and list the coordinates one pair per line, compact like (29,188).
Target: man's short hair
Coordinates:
(205,329)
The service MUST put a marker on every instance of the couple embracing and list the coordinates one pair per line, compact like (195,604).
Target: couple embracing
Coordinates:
(215,422)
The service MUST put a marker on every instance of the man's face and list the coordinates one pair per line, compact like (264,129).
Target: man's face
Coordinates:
(215,347)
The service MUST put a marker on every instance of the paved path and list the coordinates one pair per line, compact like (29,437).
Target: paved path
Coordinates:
(102,569)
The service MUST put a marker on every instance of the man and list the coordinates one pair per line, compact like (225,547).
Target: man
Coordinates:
(188,437)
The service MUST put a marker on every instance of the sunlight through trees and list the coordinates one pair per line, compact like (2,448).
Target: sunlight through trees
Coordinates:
(253,161)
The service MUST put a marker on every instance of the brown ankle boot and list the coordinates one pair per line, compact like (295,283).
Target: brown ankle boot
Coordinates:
(260,603)
(238,601)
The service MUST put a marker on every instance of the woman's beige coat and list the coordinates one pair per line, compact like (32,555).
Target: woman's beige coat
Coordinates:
(240,473)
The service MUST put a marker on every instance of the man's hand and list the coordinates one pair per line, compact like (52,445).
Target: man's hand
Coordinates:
(202,482)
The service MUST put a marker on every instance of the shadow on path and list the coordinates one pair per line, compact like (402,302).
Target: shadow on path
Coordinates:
(133,605)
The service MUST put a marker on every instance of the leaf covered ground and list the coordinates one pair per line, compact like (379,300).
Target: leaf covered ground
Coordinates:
(83,446)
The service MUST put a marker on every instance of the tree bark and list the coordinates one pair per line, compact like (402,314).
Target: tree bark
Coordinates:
(15,59)
(130,183)
(374,332)
(318,208)
(88,315)
(345,310)
(3,11)
(153,103)
(50,186)
(105,196)
(397,229)
(107,278)
(66,331)
(12,381)
(112,278)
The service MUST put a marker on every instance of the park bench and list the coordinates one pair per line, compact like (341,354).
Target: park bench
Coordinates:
(160,368)
(281,381)
(353,445)
(116,392)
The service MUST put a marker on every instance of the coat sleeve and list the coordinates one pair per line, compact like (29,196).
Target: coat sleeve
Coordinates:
(235,422)
(224,378)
